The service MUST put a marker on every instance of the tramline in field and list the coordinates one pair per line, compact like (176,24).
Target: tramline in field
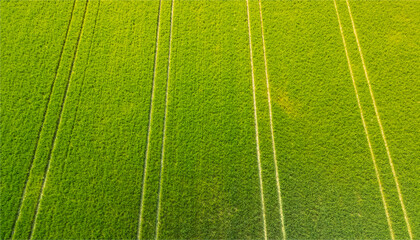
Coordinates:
(178,119)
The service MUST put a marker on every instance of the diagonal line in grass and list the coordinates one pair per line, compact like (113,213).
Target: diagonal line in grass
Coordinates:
(283,229)
(44,181)
(146,154)
(43,121)
(256,122)
(364,124)
(380,124)
(83,81)
(162,157)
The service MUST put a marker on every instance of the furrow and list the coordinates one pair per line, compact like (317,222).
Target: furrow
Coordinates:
(43,121)
(44,181)
(139,228)
(256,123)
(271,124)
(83,81)
(162,159)
(364,125)
(380,124)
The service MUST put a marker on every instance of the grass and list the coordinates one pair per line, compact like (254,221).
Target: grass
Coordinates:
(135,119)
(26,56)
(401,61)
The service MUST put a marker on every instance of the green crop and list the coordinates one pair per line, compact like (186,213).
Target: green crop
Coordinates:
(138,119)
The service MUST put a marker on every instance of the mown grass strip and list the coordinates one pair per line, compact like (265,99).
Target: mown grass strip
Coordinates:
(43,121)
(162,162)
(364,124)
(256,121)
(380,123)
(44,181)
(146,155)
(271,123)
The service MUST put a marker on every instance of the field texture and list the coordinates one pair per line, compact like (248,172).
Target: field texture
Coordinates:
(238,119)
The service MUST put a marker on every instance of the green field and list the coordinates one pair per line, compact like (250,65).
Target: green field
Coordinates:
(210,119)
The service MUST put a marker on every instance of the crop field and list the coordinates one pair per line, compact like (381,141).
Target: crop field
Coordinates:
(210,119)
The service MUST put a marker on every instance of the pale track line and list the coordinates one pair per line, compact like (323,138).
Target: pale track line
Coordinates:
(380,124)
(364,124)
(283,229)
(83,81)
(45,178)
(139,228)
(43,122)
(256,122)
(162,156)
